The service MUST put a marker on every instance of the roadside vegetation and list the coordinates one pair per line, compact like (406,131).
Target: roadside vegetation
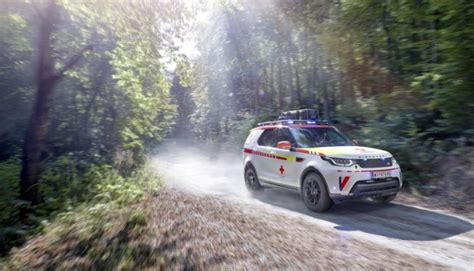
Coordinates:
(84,95)
(94,228)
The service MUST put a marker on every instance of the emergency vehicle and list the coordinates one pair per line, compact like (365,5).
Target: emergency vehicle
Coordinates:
(303,153)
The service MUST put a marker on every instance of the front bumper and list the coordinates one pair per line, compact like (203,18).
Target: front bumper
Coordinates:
(371,188)
(353,182)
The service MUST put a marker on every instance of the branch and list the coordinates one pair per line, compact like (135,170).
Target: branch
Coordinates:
(72,62)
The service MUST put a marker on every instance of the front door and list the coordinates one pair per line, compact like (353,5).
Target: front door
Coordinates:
(285,159)
(277,165)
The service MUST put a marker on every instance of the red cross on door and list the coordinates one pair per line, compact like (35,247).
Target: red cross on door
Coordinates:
(282,170)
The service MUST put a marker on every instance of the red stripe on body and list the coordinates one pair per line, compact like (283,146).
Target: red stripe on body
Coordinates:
(344,182)
(264,154)
(248,150)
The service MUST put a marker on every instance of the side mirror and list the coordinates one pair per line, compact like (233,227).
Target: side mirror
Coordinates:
(355,142)
(284,145)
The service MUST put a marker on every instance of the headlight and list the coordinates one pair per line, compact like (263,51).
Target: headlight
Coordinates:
(338,161)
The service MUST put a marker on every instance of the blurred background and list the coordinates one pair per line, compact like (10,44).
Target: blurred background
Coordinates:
(90,88)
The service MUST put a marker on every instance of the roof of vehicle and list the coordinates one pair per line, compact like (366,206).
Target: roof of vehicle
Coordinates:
(264,127)
(302,118)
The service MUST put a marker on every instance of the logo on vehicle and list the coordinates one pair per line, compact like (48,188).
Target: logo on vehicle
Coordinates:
(282,170)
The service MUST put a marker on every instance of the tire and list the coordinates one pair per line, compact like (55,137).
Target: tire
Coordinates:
(251,180)
(384,199)
(315,194)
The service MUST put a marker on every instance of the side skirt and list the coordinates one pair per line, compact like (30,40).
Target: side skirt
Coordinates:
(266,183)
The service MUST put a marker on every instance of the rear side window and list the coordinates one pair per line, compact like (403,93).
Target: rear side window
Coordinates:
(250,137)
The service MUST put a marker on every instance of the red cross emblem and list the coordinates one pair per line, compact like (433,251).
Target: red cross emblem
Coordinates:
(282,170)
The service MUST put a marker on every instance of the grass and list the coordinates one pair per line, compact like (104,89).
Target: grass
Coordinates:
(100,233)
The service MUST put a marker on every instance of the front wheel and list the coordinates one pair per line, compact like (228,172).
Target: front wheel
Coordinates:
(315,193)
(251,179)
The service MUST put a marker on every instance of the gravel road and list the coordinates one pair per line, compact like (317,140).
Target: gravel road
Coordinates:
(435,238)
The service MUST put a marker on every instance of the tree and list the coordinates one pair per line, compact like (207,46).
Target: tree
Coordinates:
(47,78)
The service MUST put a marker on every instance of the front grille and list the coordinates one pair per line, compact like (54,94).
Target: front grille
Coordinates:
(362,188)
(374,163)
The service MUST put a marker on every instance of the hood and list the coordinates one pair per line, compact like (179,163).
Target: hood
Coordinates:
(351,152)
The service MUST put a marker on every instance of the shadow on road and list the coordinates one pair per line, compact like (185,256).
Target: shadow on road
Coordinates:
(389,220)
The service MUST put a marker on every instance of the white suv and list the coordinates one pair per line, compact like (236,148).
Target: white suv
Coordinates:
(319,161)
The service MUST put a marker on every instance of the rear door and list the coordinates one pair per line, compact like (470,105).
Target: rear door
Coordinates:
(263,154)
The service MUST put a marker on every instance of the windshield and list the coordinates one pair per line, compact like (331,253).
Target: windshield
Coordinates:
(319,137)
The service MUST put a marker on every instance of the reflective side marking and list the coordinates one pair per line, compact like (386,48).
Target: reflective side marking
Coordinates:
(310,152)
(343,183)
(264,154)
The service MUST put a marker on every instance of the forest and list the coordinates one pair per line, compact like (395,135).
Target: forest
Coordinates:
(89,89)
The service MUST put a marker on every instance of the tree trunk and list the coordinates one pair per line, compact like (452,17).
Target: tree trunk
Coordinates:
(291,90)
(271,80)
(40,116)
(324,84)
(298,86)
(280,84)
(39,120)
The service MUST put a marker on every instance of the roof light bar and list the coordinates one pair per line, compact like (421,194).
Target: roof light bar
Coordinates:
(302,117)
(293,122)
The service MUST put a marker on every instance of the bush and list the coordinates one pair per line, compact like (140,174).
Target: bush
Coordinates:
(403,129)
(65,184)
(9,188)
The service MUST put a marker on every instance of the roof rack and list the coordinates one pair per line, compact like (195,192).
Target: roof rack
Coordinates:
(293,122)
(302,116)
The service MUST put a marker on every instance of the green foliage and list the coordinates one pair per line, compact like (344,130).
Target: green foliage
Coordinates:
(427,44)
(394,74)
(100,229)
(9,188)
(381,124)
(67,183)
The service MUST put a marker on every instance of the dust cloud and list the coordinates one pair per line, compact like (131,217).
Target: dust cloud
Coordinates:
(201,170)
(211,171)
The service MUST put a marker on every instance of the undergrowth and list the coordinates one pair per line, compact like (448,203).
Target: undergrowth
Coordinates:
(79,201)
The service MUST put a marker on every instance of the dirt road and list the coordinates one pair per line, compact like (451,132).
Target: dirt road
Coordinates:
(433,236)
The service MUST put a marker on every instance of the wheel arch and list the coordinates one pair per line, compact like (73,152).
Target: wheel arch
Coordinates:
(308,170)
(249,164)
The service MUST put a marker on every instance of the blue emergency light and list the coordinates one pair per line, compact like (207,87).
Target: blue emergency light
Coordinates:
(302,116)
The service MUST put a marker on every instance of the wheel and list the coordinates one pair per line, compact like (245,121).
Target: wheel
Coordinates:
(251,179)
(315,194)
(384,199)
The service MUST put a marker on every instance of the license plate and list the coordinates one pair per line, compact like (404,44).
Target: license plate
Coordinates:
(381,174)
